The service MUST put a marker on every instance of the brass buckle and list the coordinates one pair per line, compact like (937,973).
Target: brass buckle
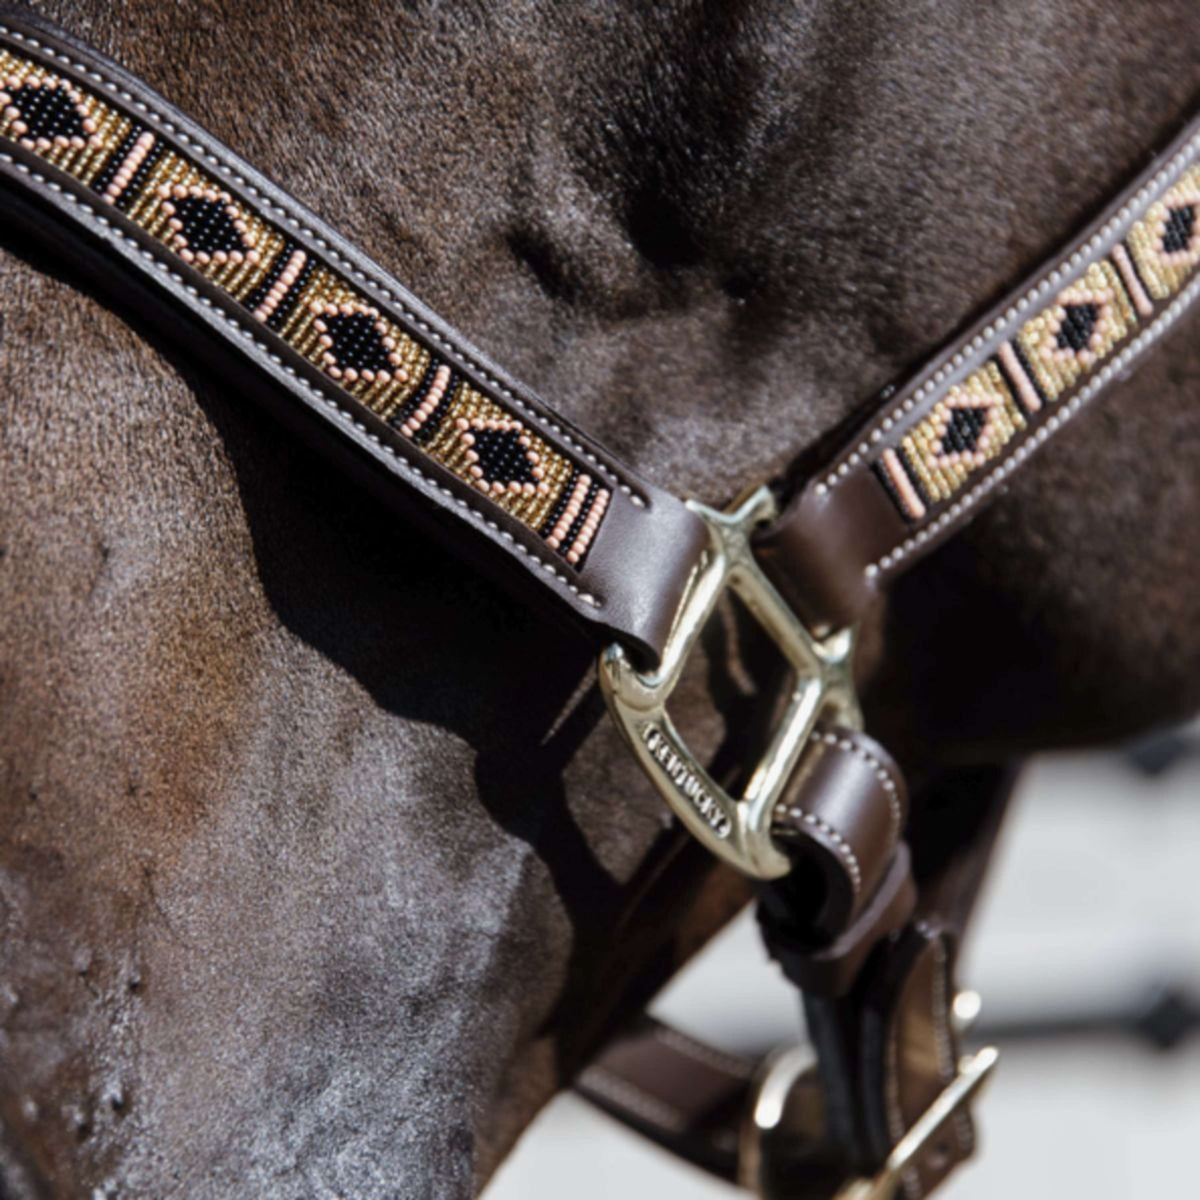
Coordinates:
(736,829)
(765,1133)
(762,1130)
(973,1073)
(786,1070)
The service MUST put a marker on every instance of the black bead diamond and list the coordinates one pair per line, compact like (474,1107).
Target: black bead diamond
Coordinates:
(48,112)
(1179,229)
(207,225)
(357,342)
(502,458)
(963,430)
(1078,325)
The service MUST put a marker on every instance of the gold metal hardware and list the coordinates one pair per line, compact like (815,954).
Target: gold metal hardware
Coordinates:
(973,1072)
(965,1010)
(736,829)
(776,1090)
(786,1110)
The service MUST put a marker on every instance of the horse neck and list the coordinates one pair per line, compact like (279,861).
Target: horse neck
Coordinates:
(317,844)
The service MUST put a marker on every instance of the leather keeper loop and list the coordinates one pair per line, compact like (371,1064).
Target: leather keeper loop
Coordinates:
(831,970)
(804,552)
(842,815)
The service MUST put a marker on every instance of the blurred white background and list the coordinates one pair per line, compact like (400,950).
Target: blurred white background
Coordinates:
(1094,899)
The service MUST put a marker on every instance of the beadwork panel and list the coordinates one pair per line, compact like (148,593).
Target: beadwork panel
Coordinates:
(376,362)
(1053,353)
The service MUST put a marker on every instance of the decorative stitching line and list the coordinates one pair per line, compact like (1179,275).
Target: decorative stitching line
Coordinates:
(941,1010)
(728,1064)
(840,843)
(620,1091)
(1128,212)
(1150,334)
(352,268)
(344,414)
(897,1125)
(881,773)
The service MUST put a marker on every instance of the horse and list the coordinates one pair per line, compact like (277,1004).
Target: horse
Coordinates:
(321,870)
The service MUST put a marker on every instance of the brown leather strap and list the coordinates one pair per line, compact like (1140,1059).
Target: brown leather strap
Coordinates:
(887,1050)
(884,1048)
(95,165)
(694,1101)
(884,1054)
(938,449)
(842,818)
(831,967)
(681,1093)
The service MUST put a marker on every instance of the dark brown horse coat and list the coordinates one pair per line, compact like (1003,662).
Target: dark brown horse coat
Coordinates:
(313,846)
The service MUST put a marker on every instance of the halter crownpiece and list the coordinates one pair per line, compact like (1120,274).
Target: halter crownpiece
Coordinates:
(94,164)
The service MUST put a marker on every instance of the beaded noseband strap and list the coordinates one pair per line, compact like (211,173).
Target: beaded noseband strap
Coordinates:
(95,165)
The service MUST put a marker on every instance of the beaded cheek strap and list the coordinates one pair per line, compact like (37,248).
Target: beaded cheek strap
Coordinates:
(338,346)
(937,451)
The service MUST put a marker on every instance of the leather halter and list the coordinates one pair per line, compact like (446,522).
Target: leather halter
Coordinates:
(95,165)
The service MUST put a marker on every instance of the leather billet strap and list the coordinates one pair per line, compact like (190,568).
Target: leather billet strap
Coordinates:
(95,164)
(938,449)
(881,1048)
(682,1093)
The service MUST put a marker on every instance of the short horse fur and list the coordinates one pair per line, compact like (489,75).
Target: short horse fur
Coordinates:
(314,846)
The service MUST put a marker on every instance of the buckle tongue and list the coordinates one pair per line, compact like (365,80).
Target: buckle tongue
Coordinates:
(737,830)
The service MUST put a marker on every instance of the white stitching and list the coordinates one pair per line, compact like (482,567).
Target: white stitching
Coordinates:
(344,414)
(840,844)
(729,1064)
(941,1010)
(881,773)
(1126,215)
(1155,330)
(628,1095)
(356,272)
